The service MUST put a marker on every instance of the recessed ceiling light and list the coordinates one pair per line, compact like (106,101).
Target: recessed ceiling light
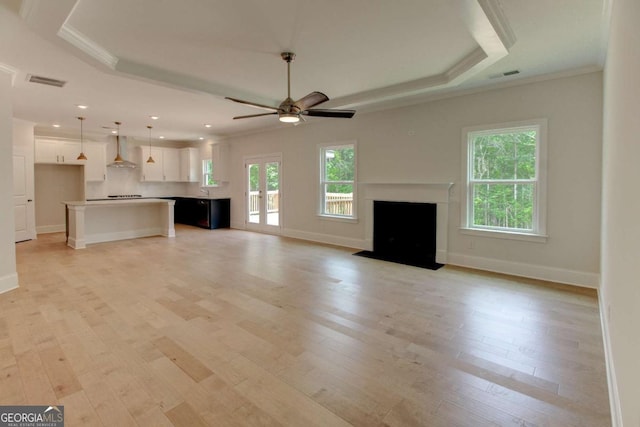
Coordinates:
(82,107)
(114,131)
(154,117)
(56,125)
(161,137)
(201,138)
(207,125)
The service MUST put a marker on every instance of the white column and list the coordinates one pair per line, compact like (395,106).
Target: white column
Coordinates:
(167,219)
(75,227)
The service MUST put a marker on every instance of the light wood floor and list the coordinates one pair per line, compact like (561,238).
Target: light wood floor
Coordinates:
(231,328)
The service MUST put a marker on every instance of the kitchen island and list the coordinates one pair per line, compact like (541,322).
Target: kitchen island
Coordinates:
(108,220)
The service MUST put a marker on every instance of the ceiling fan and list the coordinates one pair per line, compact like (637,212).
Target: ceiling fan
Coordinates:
(290,111)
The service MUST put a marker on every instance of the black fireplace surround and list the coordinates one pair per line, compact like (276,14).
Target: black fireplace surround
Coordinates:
(404,232)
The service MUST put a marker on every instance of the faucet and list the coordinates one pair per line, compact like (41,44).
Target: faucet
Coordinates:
(205,191)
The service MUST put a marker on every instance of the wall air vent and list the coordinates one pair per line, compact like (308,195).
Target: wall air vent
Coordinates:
(45,80)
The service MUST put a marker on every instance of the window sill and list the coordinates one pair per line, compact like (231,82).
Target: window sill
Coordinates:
(509,235)
(337,218)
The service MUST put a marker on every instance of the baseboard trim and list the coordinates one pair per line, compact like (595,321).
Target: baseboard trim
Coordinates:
(8,282)
(531,271)
(612,382)
(44,229)
(328,239)
(124,235)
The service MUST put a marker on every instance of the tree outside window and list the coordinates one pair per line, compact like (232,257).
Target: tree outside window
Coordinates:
(504,177)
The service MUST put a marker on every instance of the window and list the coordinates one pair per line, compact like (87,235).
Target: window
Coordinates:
(337,180)
(505,177)
(207,174)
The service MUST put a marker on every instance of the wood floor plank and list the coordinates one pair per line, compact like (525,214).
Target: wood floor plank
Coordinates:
(183,415)
(79,411)
(37,387)
(185,361)
(232,328)
(60,373)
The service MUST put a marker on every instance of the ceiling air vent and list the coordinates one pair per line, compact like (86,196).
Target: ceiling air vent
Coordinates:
(45,80)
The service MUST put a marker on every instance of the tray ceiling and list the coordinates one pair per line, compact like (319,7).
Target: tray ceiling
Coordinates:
(179,59)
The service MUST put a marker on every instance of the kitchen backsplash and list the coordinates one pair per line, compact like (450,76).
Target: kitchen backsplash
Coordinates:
(127,181)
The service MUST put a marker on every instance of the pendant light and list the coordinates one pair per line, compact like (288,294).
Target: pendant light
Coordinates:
(150,159)
(118,158)
(81,156)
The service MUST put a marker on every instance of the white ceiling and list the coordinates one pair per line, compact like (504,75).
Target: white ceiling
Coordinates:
(128,60)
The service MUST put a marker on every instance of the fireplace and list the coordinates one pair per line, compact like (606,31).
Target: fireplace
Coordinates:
(412,215)
(405,232)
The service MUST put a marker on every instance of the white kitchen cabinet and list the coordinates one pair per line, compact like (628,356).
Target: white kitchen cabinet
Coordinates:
(56,151)
(171,164)
(220,159)
(151,171)
(166,167)
(189,164)
(95,167)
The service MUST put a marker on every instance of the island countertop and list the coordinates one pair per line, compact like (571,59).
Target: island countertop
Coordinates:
(116,202)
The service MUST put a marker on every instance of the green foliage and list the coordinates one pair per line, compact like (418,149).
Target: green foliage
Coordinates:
(500,162)
(207,171)
(273,179)
(504,156)
(340,164)
(273,176)
(503,205)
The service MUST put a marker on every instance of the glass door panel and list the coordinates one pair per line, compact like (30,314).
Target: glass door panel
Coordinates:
(254,193)
(272,170)
(263,201)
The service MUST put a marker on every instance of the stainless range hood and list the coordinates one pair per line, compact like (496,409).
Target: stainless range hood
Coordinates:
(119,161)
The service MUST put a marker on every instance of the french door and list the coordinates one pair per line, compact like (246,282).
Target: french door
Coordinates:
(263,194)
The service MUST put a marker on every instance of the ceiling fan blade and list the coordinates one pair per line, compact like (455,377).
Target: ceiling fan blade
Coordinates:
(255,115)
(344,114)
(252,104)
(311,100)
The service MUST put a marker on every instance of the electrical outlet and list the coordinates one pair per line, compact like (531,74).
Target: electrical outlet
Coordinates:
(472,244)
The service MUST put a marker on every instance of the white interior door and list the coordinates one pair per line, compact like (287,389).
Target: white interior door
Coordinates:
(25,223)
(263,193)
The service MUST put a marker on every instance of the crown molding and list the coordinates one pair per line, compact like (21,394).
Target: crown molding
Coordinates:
(88,46)
(11,71)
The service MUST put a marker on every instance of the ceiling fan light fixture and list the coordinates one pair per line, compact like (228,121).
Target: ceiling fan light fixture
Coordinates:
(289,118)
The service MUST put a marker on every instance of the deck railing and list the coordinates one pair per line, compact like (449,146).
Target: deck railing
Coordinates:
(339,203)
(273,202)
(335,203)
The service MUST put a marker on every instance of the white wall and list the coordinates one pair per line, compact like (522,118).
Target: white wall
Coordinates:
(621,210)
(8,275)
(422,143)
(53,185)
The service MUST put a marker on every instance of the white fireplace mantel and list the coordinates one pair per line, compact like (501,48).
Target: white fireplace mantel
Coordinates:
(437,193)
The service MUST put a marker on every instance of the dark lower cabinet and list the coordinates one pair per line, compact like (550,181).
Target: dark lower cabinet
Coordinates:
(204,213)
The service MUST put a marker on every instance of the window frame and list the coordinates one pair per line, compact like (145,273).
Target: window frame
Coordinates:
(322,148)
(204,175)
(539,232)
